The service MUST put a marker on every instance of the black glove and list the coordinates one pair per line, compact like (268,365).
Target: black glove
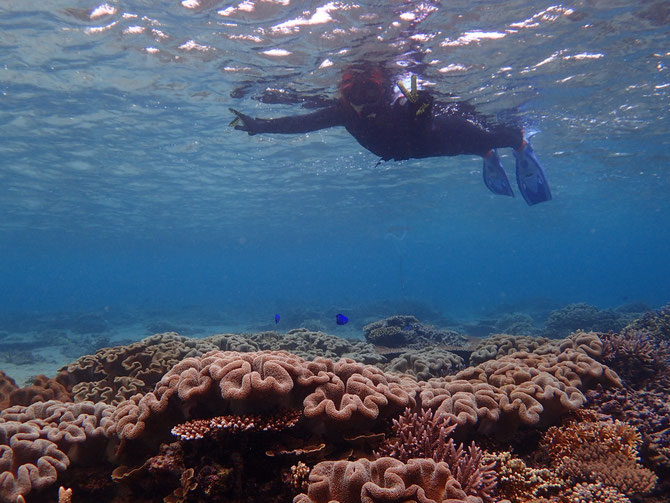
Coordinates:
(243,122)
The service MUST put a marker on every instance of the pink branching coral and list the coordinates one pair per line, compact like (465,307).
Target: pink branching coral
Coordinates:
(200,428)
(425,435)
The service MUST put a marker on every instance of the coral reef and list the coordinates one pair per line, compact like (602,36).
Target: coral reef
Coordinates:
(425,363)
(516,324)
(343,393)
(42,389)
(253,423)
(655,323)
(586,449)
(503,344)
(533,388)
(403,330)
(519,483)
(7,386)
(103,376)
(424,435)
(641,357)
(41,440)
(383,480)
(310,345)
(582,316)
(200,428)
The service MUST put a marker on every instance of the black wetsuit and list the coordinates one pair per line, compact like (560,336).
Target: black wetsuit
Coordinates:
(394,131)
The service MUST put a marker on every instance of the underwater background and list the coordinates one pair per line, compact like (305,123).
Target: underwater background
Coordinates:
(129,207)
(124,187)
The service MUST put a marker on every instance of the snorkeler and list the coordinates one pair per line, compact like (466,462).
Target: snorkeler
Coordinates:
(410,125)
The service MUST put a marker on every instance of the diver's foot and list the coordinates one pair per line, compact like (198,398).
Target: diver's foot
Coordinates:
(495,177)
(530,176)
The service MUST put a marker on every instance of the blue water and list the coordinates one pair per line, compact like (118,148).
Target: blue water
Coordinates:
(123,188)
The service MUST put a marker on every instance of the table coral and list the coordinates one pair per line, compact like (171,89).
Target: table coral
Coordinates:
(200,428)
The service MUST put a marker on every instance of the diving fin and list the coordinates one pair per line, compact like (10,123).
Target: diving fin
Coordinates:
(530,176)
(494,174)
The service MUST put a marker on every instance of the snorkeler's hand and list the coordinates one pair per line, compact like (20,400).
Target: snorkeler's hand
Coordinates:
(423,104)
(419,102)
(243,122)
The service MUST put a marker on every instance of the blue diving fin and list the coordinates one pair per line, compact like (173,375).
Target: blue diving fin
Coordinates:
(495,177)
(530,176)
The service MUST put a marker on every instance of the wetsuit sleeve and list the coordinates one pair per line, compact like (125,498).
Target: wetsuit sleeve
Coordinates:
(321,119)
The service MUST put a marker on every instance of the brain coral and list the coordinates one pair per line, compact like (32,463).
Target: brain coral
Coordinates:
(384,480)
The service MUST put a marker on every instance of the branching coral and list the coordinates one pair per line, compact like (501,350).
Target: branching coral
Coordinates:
(424,435)
(642,360)
(656,323)
(520,483)
(589,450)
(582,316)
(635,354)
(589,493)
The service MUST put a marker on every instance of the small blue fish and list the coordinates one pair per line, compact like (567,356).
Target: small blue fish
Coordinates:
(407,328)
(341,319)
(276,318)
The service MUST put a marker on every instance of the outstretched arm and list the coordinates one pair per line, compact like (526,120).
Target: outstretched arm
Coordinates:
(321,119)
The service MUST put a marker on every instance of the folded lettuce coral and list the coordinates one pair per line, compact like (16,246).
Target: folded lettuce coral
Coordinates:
(385,480)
